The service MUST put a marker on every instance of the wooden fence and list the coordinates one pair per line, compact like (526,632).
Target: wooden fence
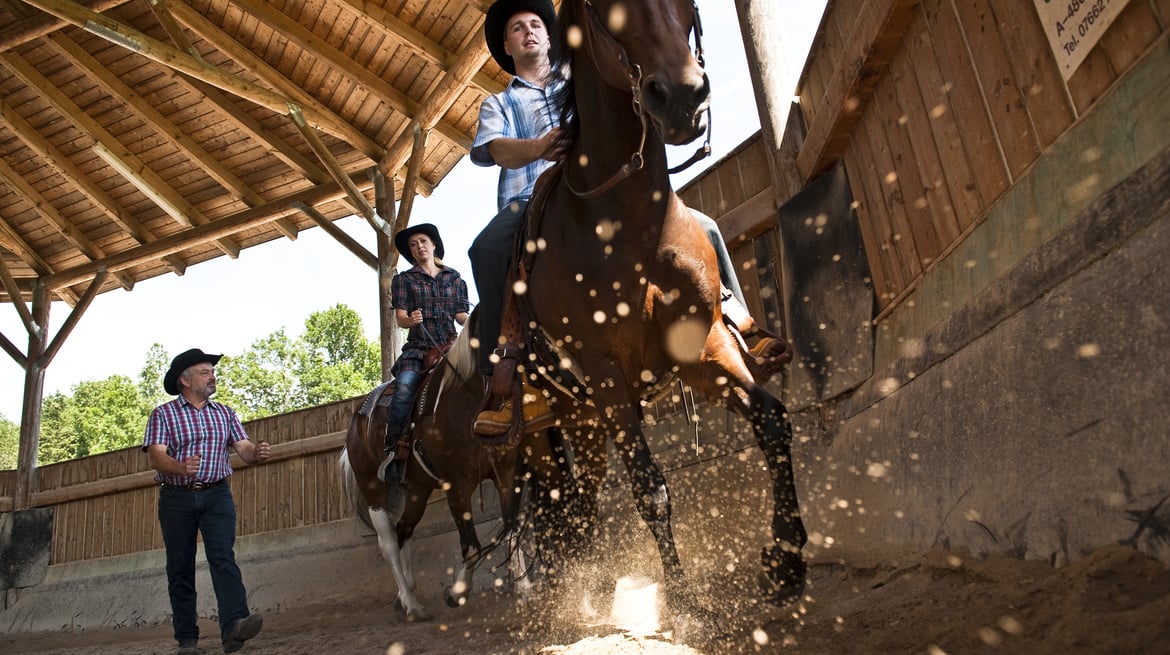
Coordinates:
(106,504)
(937,108)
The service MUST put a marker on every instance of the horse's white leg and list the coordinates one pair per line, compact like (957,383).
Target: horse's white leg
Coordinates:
(518,566)
(458,591)
(394,556)
(408,563)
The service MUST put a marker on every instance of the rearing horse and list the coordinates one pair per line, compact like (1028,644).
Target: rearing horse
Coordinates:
(624,278)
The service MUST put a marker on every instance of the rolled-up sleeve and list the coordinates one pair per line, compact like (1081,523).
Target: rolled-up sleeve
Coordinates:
(493,124)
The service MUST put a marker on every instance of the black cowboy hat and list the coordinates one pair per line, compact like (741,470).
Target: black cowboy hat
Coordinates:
(497,20)
(182,362)
(403,236)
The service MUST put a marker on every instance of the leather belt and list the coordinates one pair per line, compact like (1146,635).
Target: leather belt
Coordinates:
(194,487)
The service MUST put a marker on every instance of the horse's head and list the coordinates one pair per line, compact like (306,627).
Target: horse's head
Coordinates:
(643,46)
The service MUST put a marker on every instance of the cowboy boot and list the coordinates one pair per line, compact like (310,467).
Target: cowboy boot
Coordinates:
(393,454)
(537,415)
(770,354)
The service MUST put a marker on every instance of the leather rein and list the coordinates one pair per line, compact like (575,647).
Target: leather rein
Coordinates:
(634,76)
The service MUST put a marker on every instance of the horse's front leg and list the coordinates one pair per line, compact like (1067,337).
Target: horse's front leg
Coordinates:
(652,498)
(459,502)
(783,577)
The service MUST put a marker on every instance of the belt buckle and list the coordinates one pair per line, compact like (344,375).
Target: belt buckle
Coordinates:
(199,485)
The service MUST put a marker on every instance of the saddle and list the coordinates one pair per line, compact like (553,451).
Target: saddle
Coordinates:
(425,400)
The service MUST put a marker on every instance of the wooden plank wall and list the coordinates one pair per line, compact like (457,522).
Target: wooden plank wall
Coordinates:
(961,108)
(110,500)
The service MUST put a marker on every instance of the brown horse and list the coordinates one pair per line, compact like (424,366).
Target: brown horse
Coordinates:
(445,455)
(625,280)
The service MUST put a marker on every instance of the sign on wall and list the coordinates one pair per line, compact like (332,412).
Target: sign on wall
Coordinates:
(1073,27)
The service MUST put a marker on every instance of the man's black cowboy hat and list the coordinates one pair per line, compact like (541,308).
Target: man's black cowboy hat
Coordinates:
(403,236)
(182,362)
(497,21)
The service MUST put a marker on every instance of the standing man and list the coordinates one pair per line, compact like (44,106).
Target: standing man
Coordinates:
(187,442)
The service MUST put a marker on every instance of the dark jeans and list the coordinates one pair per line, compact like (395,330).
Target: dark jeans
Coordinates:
(405,385)
(490,254)
(212,513)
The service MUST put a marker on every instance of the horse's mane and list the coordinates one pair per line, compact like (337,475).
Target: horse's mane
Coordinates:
(462,357)
(561,59)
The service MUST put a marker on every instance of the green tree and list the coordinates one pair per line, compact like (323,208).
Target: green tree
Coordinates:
(97,417)
(338,361)
(263,380)
(9,443)
(150,377)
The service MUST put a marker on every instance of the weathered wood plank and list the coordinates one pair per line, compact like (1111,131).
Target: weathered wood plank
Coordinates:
(975,126)
(1017,140)
(901,244)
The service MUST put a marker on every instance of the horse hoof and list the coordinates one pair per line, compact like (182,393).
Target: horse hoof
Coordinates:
(782,580)
(453,599)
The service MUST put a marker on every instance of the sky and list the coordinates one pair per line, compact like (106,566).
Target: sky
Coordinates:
(224,305)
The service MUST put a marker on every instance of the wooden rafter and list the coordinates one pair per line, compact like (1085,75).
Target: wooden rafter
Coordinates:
(163,127)
(417,154)
(123,35)
(403,33)
(47,211)
(39,24)
(351,244)
(363,77)
(244,220)
(134,169)
(146,181)
(65,167)
(356,199)
(28,255)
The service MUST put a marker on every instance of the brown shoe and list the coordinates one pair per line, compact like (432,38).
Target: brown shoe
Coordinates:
(537,415)
(769,356)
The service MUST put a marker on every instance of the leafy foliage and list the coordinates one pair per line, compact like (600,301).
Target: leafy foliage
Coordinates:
(332,361)
(9,443)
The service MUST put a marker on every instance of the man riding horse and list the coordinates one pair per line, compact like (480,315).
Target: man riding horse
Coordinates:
(519,132)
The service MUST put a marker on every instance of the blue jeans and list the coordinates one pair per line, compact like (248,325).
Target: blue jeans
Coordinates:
(212,513)
(404,387)
(490,254)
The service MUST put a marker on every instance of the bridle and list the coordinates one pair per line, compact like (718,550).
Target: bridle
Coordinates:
(633,74)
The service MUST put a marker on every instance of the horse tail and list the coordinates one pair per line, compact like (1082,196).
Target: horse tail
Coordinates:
(357,502)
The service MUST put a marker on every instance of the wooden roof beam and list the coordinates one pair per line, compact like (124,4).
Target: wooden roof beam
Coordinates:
(244,220)
(25,252)
(351,244)
(440,99)
(417,154)
(356,199)
(162,125)
(126,36)
(47,211)
(241,119)
(316,114)
(364,78)
(401,31)
(34,27)
(217,171)
(115,154)
(14,294)
(65,167)
(177,208)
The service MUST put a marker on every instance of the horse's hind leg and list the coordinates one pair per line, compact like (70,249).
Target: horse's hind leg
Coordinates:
(393,542)
(783,577)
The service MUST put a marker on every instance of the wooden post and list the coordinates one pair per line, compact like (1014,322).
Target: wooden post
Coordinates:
(761,26)
(34,388)
(387,260)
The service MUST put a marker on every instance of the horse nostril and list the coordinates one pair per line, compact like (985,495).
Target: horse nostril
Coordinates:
(655,94)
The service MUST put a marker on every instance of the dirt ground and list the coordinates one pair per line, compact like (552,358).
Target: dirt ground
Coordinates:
(1114,601)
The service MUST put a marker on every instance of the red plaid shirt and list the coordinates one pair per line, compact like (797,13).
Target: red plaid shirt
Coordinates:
(187,431)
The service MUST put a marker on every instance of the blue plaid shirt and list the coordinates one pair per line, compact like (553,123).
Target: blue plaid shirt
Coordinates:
(187,431)
(440,298)
(521,111)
